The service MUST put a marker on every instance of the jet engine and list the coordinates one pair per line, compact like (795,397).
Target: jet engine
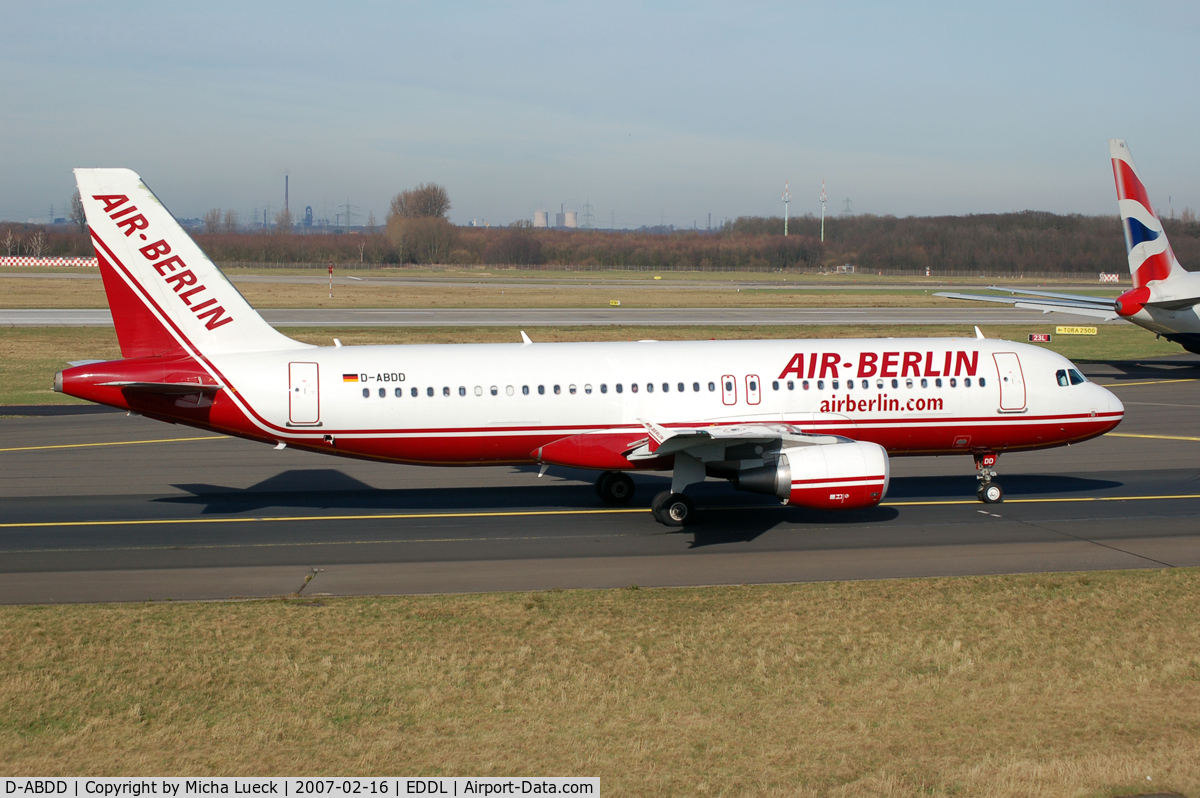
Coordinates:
(835,476)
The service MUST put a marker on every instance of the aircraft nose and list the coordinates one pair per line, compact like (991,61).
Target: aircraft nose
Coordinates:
(1114,404)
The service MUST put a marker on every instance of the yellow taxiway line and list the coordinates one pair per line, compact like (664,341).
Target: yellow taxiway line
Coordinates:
(533,513)
(1155,437)
(111,443)
(1150,382)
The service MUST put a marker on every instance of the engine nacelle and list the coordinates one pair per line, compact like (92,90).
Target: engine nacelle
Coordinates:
(836,476)
(1131,302)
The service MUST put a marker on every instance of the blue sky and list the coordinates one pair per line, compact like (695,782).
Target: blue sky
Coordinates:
(666,111)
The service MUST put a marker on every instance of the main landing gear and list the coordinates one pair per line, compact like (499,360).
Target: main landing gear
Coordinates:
(614,487)
(989,492)
(673,509)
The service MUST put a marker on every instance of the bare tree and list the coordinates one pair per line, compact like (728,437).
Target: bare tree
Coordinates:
(36,244)
(371,223)
(427,199)
(283,221)
(212,221)
(10,241)
(77,214)
(231,221)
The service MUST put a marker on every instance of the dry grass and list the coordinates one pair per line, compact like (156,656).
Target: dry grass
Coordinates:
(1061,684)
(59,294)
(29,356)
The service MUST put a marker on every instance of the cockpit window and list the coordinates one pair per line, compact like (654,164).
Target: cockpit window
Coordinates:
(1076,377)
(1061,376)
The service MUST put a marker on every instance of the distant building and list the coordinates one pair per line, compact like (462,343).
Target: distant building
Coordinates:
(541,219)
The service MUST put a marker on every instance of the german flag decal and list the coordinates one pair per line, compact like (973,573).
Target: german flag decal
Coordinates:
(349,378)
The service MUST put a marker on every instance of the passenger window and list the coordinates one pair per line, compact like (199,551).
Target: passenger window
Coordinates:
(366,393)
(774,385)
(633,386)
(849,385)
(804,385)
(587,388)
(728,385)
(895,383)
(1076,377)
(924,383)
(681,387)
(508,389)
(712,386)
(879,384)
(571,388)
(666,387)
(399,392)
(446,390)
(619,388)
(557,390)
(754,385)
(541,390)
(967,382)
(493,389)
(981,382)
(649,387)
(429,391)
(908,383)
(383,393)
(525,390)
(414,391)
(938,382)
(462,390)
(953,383)
(479,390)
(604,387)
(696,387)
(791,385)
(835,385)
(820,385)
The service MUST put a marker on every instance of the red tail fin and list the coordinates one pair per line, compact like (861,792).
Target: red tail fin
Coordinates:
(138,331)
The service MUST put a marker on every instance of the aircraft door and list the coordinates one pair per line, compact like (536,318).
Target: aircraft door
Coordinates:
(1012,382)
(728,389)
(304,403)
(753,389)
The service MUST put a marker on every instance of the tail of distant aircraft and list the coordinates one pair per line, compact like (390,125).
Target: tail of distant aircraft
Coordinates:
(1150,254)
(167,298)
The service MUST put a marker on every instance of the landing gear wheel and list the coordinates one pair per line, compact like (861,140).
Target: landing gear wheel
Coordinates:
(615,487)
(656,504)
(990,493)
(676,510)
(600,482)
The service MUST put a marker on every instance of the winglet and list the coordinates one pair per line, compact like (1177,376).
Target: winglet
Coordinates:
(978,332)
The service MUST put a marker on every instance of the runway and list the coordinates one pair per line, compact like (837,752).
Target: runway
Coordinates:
(107,507)
(575,317)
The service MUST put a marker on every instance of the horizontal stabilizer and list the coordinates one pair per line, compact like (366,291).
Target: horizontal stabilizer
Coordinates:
(163,388)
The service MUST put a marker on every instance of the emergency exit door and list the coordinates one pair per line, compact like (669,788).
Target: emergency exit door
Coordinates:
(1012,382)
(304,403)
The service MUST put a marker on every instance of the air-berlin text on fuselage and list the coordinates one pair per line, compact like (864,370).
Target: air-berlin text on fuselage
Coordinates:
(176,272)
(824,365)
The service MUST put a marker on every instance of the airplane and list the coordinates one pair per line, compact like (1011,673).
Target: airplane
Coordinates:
(811,422)
(1164,296)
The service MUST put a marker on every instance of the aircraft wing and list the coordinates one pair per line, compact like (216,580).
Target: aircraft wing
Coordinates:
(663,441)
(1045,301)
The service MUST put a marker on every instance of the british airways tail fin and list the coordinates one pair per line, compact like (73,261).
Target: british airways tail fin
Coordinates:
(167,298)
(1150,254)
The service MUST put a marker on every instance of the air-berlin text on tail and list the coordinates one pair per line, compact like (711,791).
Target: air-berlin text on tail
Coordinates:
(825,365)
(177,274)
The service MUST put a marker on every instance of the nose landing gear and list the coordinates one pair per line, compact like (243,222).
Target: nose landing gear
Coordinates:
(988,492)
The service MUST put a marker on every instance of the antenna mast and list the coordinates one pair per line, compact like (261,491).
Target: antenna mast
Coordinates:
(822,211)
(787,197)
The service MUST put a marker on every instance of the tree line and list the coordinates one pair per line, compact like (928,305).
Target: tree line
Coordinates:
(418,232)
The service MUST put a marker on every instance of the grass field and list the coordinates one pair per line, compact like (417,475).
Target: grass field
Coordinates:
(1060,684)
(29,356)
